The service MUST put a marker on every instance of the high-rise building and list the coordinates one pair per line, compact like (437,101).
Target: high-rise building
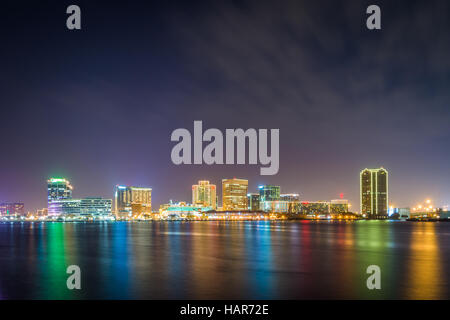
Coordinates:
(374,193)
(59,198)
(58,189)
(269,193)
(204,194)
(253,202)
(12,209)
(234,194)
(132,200)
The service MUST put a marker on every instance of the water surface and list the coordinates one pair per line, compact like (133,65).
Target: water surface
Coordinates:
(225,260)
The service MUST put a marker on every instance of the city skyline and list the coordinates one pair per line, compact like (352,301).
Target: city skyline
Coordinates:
(61,188)
(98,105)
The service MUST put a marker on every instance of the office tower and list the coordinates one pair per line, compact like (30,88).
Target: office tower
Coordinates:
(374,193)
(58,189)
(59,198)
(234,194)
(204,194)
(132,201)
(253,201)
(269,193)
(339,206)
(12,209)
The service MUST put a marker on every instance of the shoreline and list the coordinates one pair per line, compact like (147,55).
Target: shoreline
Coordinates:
(218,220)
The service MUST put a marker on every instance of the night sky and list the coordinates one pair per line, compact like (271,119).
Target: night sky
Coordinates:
(98,106)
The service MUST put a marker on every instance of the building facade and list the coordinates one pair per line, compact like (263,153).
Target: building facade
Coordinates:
(204,194)
(339,206)
(279,206)
(12,209)
(95,207)
(234,194)
(182,210)
(64,207)
(269,193)
(253,202)
(315,207)
(374,193)
(87,207)
(58,189)
(129,201)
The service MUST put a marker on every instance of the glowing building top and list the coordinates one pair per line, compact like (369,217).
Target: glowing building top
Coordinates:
(58,189)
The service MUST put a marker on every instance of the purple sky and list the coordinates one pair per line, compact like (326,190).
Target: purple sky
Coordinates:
(97,106)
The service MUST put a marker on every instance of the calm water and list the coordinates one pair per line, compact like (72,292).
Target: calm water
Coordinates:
(225,260)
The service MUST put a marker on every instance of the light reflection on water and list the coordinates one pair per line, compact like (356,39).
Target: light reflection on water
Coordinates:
(225,260)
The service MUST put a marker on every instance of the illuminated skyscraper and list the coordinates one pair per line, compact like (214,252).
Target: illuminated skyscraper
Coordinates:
(132,200)
(58,189)
(234,194)
(374,193)
(59,197)
(253,201)
(204,194)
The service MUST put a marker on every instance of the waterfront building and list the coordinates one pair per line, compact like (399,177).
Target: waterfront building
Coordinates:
(204,194)
(12,209)
(64,207)
(95,207)
(279,206)
(253,201)
(234,194)
(374,193)
(58,189)
(182,210)
(286,203)
(339,206)
(269,193)
(444,214)
(127,198)
(315,208)
(404,213)
(42,212)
